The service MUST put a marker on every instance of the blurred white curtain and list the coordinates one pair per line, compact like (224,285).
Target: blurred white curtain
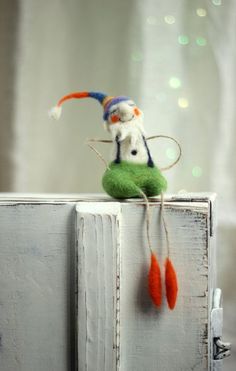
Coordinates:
(175,58)
(68,46)
(197,47)
(9,12)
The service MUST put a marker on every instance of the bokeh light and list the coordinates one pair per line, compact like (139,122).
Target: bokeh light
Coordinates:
(151,20)
(217,2)
(137,57)
(201,12)
(174,82)
(197,171)
(183,102)
(169,19)
(183,39)
(171,153)
(201,41)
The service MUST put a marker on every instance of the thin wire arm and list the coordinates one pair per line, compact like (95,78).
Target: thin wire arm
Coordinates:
(176,142)
(94,140)
(96,151)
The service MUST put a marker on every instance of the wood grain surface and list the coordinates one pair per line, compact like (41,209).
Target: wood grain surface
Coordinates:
(73,273)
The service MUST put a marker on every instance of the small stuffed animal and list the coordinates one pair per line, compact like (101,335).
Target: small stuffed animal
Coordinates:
(132,172)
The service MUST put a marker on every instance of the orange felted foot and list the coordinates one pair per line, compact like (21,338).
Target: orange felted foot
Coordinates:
(171,284)
(154,281)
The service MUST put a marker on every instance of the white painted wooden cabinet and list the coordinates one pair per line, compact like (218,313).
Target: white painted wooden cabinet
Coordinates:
(73,285)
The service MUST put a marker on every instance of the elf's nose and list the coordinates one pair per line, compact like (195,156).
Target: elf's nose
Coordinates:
(125,112)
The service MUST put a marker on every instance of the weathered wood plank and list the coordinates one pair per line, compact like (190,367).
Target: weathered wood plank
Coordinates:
(152,339)
(165,340)
(98,286)
(36,295)
(124,331)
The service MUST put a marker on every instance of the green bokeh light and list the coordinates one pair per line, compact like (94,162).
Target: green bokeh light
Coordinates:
(169,19)
(217,2)
(174,83)
(197,171)
(201,41)
(183,39)
(137,57)
(151,20)
(201,12)
(171,153)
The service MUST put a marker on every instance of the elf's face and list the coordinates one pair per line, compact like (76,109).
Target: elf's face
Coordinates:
(124,118)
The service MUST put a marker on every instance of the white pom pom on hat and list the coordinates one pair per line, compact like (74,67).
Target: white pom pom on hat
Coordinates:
(55,112)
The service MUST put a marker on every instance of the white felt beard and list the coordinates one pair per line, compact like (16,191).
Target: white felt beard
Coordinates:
(130,136)
(126,129)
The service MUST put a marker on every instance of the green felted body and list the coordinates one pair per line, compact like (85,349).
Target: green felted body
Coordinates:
(124,180)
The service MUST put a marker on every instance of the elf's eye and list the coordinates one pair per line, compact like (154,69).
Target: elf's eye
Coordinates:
(131,104)
(113,112)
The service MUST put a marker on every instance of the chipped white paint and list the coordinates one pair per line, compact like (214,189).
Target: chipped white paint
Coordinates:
(119,329)
(36,294)
(162,339)
(98,286)
(152,339)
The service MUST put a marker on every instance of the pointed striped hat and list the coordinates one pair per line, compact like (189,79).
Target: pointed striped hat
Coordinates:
(105,100)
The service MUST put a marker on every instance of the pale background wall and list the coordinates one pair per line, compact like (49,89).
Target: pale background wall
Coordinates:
(49,48)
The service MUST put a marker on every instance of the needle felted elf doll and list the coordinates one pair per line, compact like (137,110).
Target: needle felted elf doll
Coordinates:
(132,173)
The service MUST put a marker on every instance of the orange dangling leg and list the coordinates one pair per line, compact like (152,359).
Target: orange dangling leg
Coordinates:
(154,276)
(154,281)
(171,282)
